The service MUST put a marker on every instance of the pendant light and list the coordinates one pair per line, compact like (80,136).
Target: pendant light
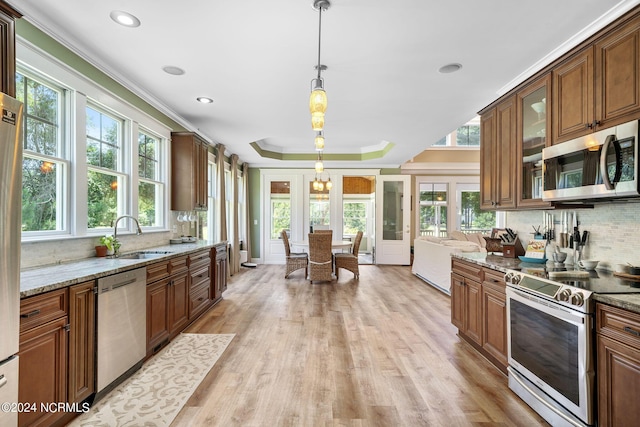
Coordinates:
(319,141)
(318,98)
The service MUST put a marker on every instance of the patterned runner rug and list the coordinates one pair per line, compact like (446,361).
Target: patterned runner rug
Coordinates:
(154,395)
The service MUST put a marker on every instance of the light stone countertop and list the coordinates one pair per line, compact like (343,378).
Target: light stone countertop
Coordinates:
(629,302)
(38,280)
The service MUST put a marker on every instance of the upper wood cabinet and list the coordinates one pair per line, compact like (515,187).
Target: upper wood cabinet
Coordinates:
(599,86)
(573,112)
(617,59)
(533,134)
(498,156)
(8,49)
(189,158)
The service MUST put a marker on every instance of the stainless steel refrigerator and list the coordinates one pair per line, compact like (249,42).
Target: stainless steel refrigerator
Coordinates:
(10,227)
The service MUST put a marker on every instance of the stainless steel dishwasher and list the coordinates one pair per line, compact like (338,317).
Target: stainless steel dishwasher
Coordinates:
(121,325)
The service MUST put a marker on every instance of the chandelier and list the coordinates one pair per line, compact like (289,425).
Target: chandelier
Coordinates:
(318,98)
(318,105)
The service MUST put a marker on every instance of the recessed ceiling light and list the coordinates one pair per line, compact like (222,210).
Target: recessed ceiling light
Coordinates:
(175,71)
(204,100)
(450,68)
(124,18)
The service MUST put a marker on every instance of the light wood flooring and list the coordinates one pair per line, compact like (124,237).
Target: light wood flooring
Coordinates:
(380,351)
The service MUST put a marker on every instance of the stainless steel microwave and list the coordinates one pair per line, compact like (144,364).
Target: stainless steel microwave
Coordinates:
(601,165)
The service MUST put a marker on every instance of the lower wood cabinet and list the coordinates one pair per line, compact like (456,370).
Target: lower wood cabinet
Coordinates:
(178,291)
(57,351)
(618,358)
(157,315)
(478,309)
(219,255)
(494,316)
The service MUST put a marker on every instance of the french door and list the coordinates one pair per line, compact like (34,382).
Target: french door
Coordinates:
(393,219)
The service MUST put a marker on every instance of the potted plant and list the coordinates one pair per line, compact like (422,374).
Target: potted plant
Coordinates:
(110,242)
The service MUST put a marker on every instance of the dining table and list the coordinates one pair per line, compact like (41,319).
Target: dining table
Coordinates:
(335,244)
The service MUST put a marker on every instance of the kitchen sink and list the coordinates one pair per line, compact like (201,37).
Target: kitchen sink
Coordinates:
(143,255)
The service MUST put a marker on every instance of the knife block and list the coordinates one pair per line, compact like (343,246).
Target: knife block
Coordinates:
(513,249)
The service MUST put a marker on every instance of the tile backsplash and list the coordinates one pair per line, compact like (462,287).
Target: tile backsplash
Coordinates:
(614,230)
(47,252)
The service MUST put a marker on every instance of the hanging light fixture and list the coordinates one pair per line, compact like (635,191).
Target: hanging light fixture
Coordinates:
(318,98)
(319,141)
(319,164)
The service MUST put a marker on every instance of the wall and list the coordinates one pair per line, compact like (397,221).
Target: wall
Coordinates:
(614,230)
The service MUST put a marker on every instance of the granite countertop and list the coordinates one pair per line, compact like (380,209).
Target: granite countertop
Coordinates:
(629,301)
(38,280)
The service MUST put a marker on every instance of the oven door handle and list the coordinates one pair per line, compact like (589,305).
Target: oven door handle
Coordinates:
(551,308)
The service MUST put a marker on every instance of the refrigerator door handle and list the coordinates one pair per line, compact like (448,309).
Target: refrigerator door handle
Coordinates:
(3,380)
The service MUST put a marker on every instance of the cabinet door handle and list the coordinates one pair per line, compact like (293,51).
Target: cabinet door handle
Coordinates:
(30,314)
(631,331)
(200,299)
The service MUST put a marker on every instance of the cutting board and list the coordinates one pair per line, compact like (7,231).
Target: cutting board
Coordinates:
(627,276)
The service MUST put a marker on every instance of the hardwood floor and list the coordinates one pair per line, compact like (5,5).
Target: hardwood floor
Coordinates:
(380,351)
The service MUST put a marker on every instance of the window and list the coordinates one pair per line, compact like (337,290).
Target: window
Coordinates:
(150,182)
(107,182)
(470,218)
(209,225)
(44,166)
(355,217)
(433,209)
(468,136)
(280,208)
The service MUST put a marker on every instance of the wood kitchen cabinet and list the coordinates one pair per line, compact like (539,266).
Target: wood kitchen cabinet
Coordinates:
(598,87)
(82,345)
(478,309)
(498,156)
(618,356)
(533,107)
(189,181)
(219,256)
(467,281)
(57,351)
(200,274)
(494,317)
(181,291)
(8,49)
(44,324)
(157,315)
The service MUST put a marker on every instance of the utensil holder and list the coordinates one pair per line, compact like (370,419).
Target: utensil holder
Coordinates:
(513,249)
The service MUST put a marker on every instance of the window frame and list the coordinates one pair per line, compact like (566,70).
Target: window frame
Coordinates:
(61,160)
(80,92)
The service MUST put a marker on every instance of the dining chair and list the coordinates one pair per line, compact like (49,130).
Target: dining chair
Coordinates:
(295,260)
(320,257)
(349,261)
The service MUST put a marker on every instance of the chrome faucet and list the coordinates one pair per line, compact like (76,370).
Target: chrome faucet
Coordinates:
(116,248)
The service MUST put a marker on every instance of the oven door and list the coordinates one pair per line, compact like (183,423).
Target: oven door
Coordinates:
(551,346)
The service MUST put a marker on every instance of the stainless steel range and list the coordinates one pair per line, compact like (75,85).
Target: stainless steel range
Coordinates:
(550,340)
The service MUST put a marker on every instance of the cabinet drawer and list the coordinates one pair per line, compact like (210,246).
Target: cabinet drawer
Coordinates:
(158,270)
(619,324)
(40,309)
(199,258)
(179,264)
(494,279)
(466,269)
(199,299)
(201,275)
(220,252)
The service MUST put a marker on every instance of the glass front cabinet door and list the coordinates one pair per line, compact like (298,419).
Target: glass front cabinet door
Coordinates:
(534,105)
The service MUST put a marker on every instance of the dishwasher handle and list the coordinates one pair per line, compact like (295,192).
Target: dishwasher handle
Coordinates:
(118,285)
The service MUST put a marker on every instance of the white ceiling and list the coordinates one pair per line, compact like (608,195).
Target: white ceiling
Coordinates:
(256,60)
